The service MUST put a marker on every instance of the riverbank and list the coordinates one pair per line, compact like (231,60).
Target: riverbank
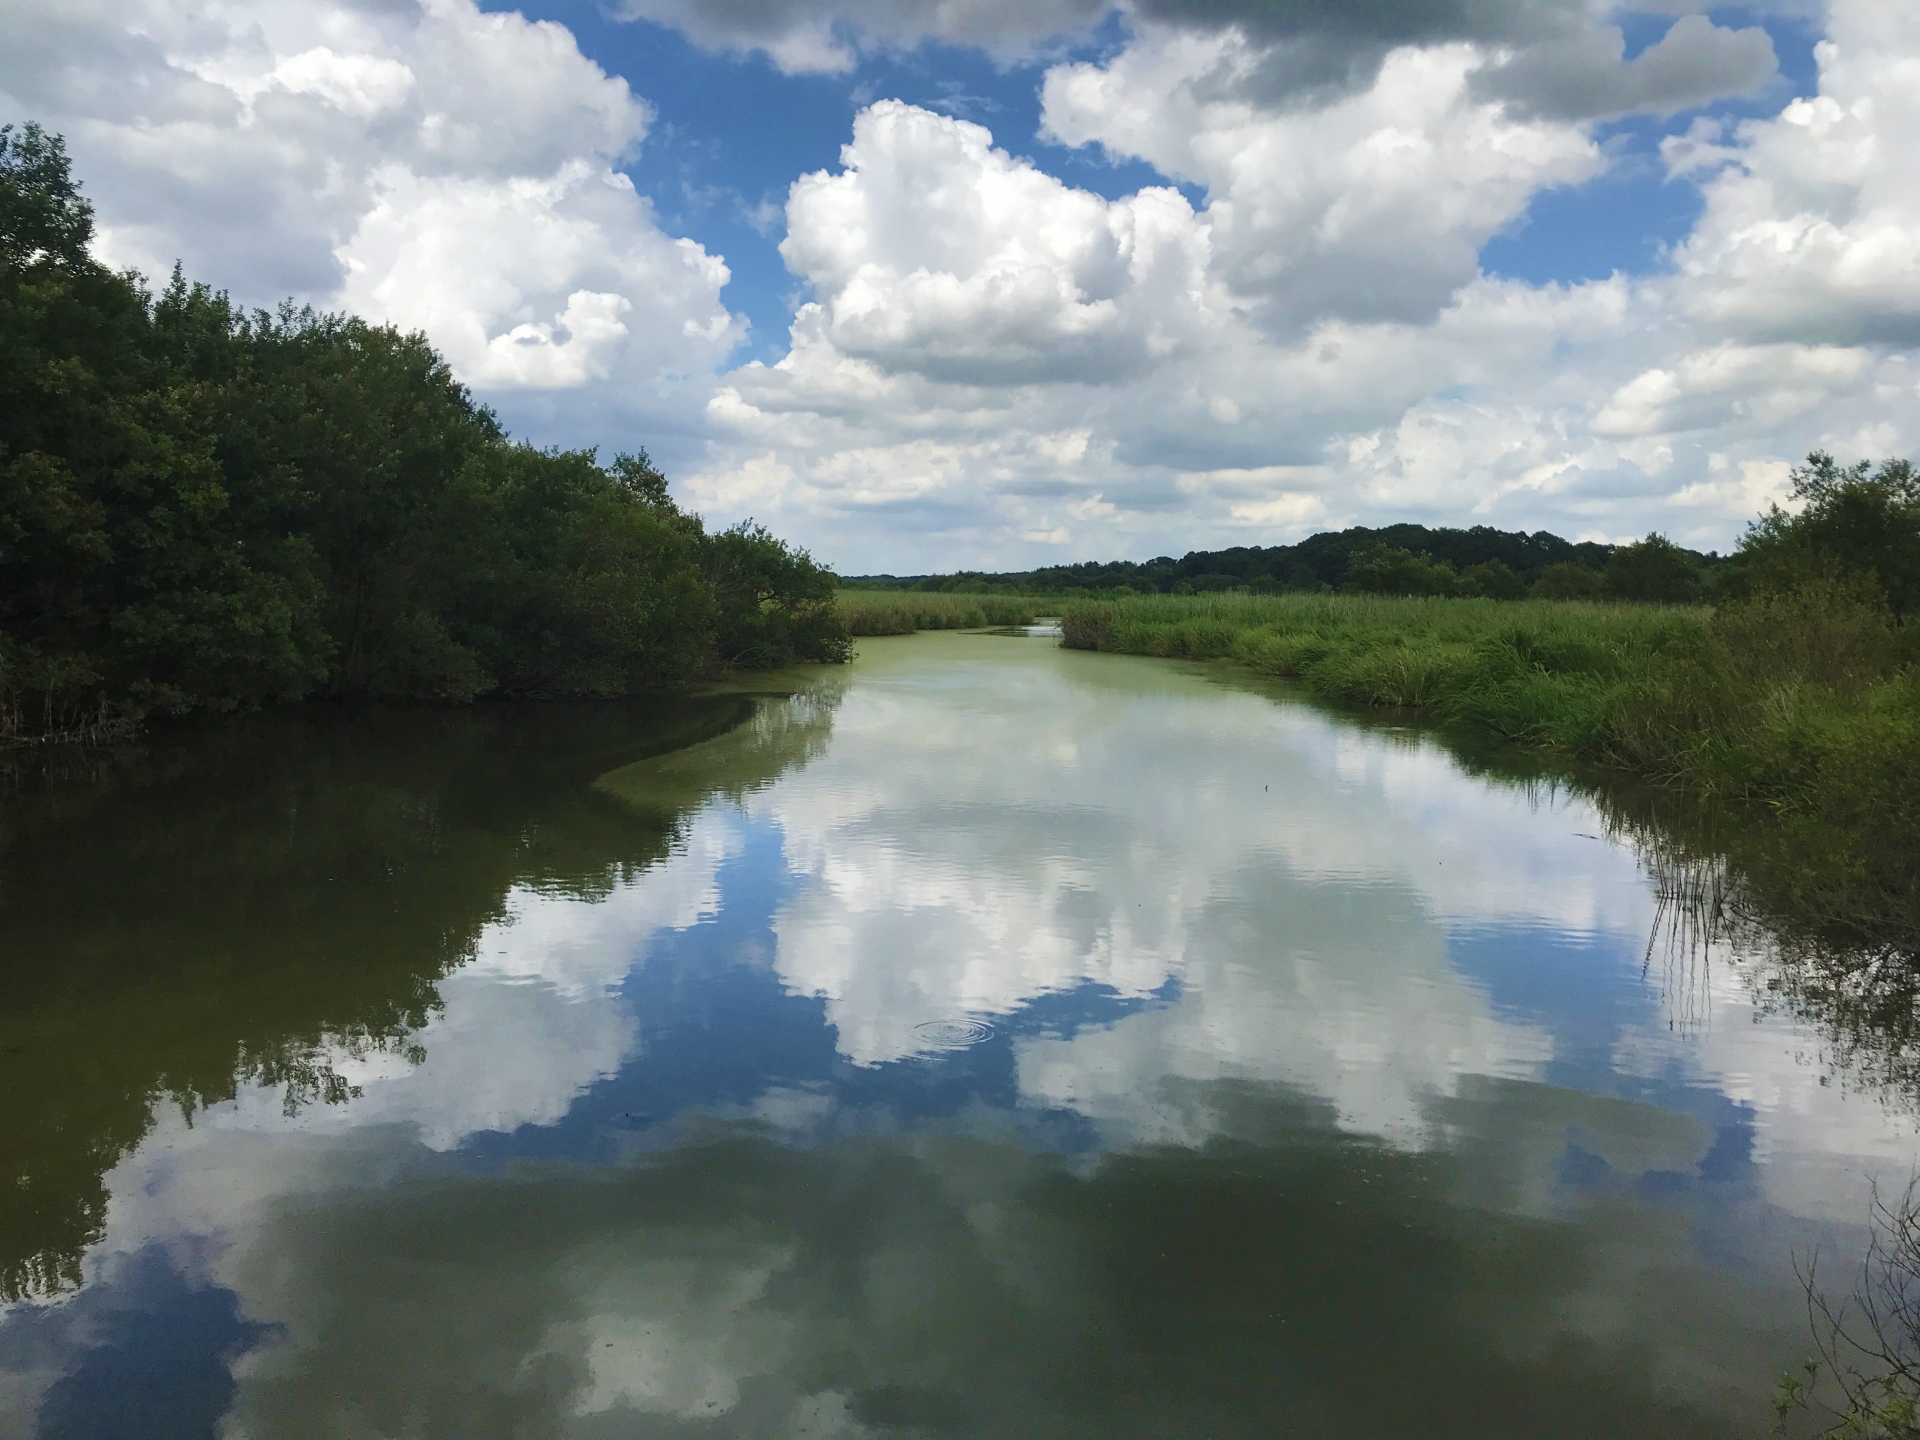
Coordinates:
(902,612)
(1805,706)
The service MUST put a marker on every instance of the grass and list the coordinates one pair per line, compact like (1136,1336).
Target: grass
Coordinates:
(901,612)
(1543,672)
(1808,705)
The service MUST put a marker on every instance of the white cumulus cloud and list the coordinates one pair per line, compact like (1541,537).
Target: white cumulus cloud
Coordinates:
(1372,207)
(421,162)
(1312,341)
(933,252)
(1812,226)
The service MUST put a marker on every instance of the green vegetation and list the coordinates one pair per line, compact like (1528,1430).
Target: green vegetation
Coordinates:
(1860,531)
(1501,564)
(1800,695)
(1654,569)
(204,509)
(900,612)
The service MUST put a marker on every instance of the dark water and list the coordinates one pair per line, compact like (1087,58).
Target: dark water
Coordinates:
(986,1040)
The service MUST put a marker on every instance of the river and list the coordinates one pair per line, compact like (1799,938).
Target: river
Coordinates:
(982,1039)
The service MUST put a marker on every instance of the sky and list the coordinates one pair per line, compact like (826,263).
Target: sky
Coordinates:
(932,284)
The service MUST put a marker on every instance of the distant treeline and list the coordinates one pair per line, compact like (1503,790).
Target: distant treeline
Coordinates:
(203,508)
(1392,560)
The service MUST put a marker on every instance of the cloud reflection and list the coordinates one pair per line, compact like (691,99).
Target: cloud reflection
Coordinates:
(1313,1058)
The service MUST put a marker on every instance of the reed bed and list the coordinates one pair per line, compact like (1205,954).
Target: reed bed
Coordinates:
(901,612)
(1546,672)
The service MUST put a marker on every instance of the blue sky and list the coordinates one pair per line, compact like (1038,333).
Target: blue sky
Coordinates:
(1628,218)
(985,283)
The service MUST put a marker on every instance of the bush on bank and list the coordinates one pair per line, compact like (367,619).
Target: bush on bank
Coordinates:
(201,508)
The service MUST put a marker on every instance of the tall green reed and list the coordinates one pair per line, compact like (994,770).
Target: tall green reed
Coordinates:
(902,612)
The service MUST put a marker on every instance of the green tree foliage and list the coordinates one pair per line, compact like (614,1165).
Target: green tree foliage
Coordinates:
(776,605)
(1566,581)
(1653,570)
(1493,579)
(201,508)
(1385,570)
(1859,527)
(1316,564)
(42,215)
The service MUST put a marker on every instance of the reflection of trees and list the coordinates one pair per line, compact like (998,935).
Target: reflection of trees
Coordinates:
(733,765)
(246,904)
(1868,1342)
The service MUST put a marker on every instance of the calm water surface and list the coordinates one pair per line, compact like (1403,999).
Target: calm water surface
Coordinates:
(985,1040)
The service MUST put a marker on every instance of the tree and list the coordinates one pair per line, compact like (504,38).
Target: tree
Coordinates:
(1653,570)
(1493,579)
(1567,581)
(1382,570)
(1302,579)
(637,473)
(776,605)
(43,217)
(1860,526)
(201,508)
(127,582)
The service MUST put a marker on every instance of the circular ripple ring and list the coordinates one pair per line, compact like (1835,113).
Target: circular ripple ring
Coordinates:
(952,1034)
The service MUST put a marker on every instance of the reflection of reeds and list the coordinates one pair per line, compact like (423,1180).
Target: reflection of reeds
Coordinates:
(1807,705)
(1776,744)
(96,724)
(1856,984)
(1690,918)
